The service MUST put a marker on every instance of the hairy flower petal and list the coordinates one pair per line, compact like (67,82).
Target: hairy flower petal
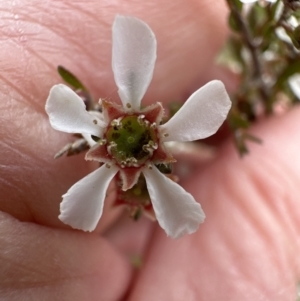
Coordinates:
(98,153)
(133,59)
(176,210)
(129,177)
(82,205)
(200,116)
(67,112)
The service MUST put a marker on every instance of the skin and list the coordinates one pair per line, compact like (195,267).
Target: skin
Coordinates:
(248,247)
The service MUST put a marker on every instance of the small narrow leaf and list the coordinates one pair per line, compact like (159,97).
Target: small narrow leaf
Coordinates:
(238,5)
(234,22)
(71,79)
(238,121)
(292,67)
(252,138)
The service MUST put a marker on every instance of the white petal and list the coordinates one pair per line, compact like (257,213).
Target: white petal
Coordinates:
(67,112)
(201,115)
(176,210)
(294,83)
(133,58)
(89,139)
(100,118)
(82,205)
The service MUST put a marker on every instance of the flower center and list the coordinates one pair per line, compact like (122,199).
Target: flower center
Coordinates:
(131,140)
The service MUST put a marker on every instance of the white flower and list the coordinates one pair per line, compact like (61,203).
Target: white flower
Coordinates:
(132,139)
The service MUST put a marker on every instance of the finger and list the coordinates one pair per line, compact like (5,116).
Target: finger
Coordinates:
(39,263)
(36,37)
(131,237)
(248,247)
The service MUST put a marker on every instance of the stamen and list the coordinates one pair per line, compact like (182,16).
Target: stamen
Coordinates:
(116,123)
(140,119)
(102,141)
(130,162)
(152,144)
(148,149)
(112,145)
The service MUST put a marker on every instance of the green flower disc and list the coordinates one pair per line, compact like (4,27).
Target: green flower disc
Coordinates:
(130,140)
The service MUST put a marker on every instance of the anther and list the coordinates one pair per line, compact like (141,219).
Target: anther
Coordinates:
(112,144)
(116,123)
(148,149)
(102,141)
(141,120)
(153,145)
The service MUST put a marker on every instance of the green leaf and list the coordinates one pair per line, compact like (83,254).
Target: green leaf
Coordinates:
(296,37)
(257,18)
(71,79)
(274,8)
(237,121)
(240,143)
(231,55)
(240,139)
(236,3)
(252,138)
(291,68)
(233,22)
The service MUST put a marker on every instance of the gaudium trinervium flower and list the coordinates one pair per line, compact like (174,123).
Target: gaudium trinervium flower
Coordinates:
(131,139)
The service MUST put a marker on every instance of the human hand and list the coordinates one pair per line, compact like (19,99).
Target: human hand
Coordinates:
(247,247)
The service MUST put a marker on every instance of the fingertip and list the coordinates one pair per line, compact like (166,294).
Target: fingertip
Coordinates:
(39,263)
